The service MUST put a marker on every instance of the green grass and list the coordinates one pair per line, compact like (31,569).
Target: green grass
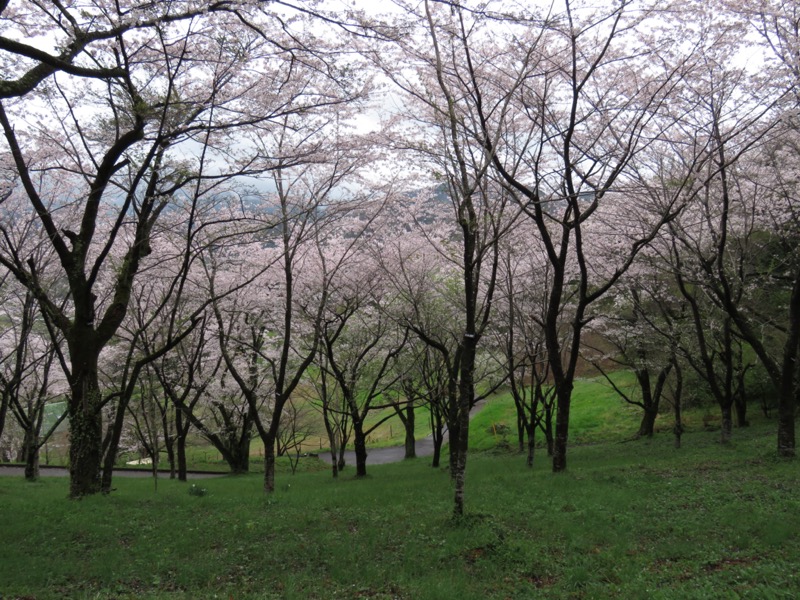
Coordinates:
(598,414)
(628,520)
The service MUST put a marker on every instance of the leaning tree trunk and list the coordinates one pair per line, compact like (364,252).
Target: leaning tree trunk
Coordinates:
(437,451)
(113,437)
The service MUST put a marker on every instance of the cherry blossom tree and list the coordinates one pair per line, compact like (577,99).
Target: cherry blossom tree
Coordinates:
(565,112)
(127,91)
(639,334)
(439,135)
(776,26)
(520,331)
(28,374)
(360,345)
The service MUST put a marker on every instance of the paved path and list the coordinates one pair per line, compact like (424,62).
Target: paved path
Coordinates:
(392,454)
(382,456)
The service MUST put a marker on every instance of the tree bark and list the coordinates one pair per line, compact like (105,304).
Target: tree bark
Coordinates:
(85,423)
(466,395)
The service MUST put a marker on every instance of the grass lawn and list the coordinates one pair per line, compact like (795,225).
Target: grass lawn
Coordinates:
(628,520)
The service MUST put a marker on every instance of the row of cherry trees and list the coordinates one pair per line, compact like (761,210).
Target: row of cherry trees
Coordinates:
(196,235)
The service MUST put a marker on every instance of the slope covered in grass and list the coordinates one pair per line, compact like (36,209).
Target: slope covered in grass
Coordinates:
(633,520)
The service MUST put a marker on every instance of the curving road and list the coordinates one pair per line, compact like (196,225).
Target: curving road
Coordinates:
(382,456)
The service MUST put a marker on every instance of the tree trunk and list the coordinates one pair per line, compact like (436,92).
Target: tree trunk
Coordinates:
(31,455)
(564,393)
(5,400)
(787,395)
(269,465)
(548,429)
(740,404)
(437,451)
(341,463)
(466,396)
(647,426)
(360,447)
(180,452)
(531,431)
(331,430)
(86,426)
(169,444)
(437,433)
(727,424)
(786,428)
(453,434)
(410,441)
(651,398)
(678,428)
(240,461)
(334,463)
(459,468)
(173,467)
(112,445)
